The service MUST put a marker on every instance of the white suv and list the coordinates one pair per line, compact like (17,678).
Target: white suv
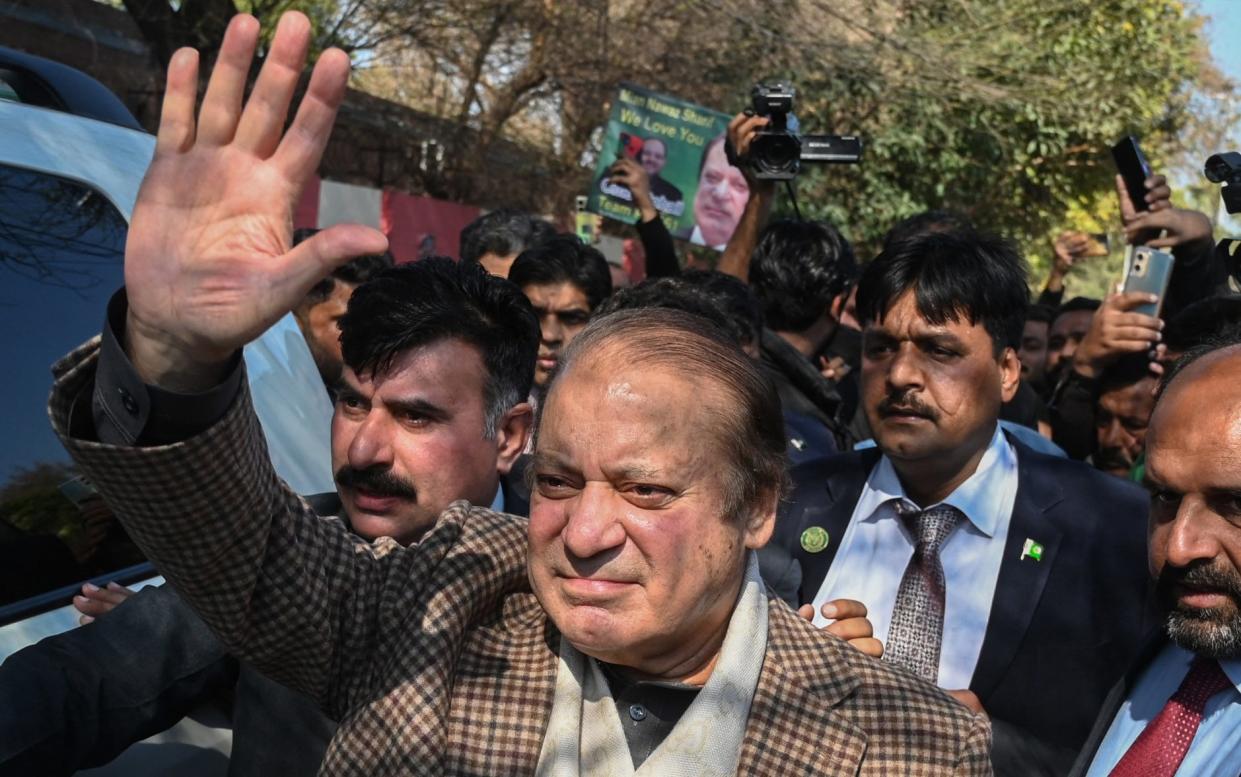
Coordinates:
(71,161)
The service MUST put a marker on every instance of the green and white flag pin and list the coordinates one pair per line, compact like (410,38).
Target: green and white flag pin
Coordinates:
(1032,550)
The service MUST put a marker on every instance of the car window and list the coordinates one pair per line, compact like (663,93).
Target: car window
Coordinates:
(61,250)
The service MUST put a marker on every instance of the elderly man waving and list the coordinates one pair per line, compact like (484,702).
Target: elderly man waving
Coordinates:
(623,630)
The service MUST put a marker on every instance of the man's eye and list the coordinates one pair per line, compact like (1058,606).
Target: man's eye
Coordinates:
(1164,499)
(554,486)
(648,495)
(350,403)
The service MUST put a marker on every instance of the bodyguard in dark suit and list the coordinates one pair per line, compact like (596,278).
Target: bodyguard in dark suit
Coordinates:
(1177,711)
(1014,580)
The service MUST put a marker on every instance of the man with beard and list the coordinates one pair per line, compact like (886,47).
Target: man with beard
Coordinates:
(565,280)
(1010,578)
(431,409)
(1178,711)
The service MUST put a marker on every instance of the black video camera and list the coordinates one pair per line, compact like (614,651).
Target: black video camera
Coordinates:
(1225,169)
(777,151)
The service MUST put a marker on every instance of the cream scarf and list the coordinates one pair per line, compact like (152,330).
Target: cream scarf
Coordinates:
(584,734)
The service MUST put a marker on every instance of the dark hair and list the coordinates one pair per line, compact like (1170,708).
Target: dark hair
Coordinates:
(1229,338)
(1125,371)
(750,427)
(502,232)
(723,300)
(926,222)
(1075,305)
(564,259)
(797,269)
(1041,313)
(980,277)
(1201,321)
(435,299)
(355,272)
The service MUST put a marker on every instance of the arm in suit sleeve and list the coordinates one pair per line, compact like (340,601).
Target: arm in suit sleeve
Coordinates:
(297,595)
(661,254)
(89,693)
(1016,752)
(1072,415)
(975,760)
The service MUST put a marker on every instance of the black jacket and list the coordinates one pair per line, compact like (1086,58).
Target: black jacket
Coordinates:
(802,388)
(1061,630)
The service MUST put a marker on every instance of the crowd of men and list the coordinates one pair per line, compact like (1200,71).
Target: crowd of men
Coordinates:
(801,515)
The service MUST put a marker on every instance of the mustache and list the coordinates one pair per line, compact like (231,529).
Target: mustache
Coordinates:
(1111,458)
(905,401)
(1200,574)
(376,480)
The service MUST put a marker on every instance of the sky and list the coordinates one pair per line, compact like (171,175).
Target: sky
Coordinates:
(1224,32)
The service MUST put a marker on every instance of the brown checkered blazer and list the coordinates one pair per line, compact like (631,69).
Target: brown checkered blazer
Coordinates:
(437,658)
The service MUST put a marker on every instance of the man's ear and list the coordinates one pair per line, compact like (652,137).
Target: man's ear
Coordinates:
(512,434)
(837,308)
(761,522)
(1010,374)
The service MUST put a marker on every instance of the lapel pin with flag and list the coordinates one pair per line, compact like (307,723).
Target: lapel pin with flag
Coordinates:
(1032,550)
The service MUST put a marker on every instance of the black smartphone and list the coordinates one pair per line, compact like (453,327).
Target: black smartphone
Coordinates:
(1134,169)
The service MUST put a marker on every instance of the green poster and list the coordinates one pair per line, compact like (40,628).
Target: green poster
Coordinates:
(681,146)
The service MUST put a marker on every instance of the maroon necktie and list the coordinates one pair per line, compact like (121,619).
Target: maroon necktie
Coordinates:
(1162,745)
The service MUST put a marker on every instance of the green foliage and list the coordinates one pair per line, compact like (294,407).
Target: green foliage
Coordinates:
(1004,110)
(31,501)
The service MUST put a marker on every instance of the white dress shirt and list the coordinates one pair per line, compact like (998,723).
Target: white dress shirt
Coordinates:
(1216,747)
(876,548)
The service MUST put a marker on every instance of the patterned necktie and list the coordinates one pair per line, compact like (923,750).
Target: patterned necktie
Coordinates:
(1162,745)
(917,627)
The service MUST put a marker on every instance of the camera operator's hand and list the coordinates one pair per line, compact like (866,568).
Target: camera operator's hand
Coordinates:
(741,131)
(1116,331)
(208,262)
(1183,226)
(631,175)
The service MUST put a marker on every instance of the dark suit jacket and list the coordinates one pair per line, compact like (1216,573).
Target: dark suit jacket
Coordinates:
(1061,630)
(1111,705)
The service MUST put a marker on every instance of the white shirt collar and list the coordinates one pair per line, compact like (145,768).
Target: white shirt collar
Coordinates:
(980,497)
(696,238)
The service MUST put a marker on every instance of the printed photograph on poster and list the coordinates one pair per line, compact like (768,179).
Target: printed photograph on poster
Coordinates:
(680,145)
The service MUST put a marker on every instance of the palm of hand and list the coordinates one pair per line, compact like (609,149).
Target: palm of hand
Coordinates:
(197,253)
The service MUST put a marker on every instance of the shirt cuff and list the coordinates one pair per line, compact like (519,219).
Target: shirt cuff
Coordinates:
(127,411)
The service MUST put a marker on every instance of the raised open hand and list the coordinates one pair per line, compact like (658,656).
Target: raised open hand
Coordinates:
(208,265)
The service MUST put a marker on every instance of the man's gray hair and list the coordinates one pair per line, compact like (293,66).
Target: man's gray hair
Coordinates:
(750,430)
